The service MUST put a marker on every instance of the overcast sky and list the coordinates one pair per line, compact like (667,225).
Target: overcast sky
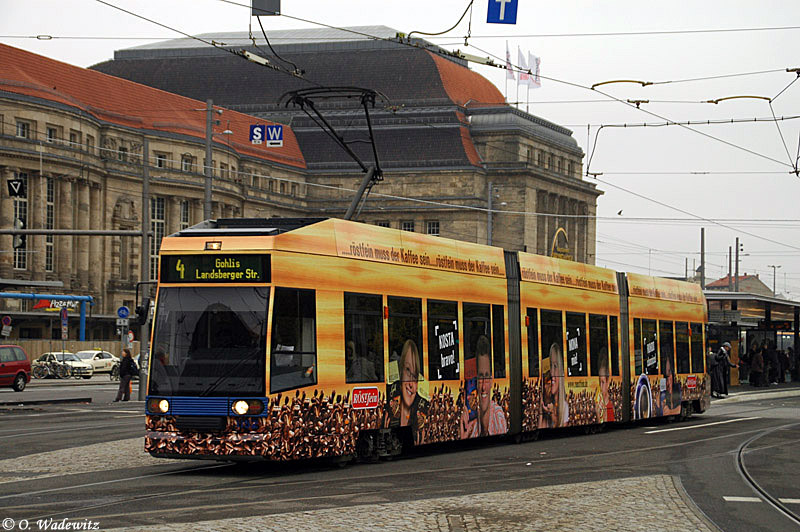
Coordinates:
(667,175)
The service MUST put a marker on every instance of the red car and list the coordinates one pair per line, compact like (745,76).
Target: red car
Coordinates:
(15,368)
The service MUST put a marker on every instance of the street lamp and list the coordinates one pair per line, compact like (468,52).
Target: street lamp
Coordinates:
(774,268)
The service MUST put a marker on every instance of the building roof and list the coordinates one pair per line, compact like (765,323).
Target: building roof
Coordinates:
(403,74)
(723,283)
(126,103)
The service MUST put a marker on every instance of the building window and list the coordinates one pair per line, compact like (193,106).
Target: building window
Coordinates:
(90,144)
(383,223)
(550,162)
(407,225)
(529,155)
(432,227)
(122,154)
(161,160)
(223,170)
(186,163)
(539,159)
(75,139)
(21,213)
(157,225)
(23,129)
(283,188)
(256,181)
(569,168)
(271,185)
(49,222)
(184,214)
(52,134)
(294,189)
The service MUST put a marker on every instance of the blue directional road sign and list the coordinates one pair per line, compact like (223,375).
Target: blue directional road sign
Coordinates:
(123,312)
(257,133)
(502,12)
(274,136)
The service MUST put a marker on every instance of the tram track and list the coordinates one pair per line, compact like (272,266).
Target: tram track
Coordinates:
(751,481)
(254,484)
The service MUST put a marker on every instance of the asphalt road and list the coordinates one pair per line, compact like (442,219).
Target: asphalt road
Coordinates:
(85,462)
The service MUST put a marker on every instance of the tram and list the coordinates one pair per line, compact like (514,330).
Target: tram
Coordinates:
(285,339)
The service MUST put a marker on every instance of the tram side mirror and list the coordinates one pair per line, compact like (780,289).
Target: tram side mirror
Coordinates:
(142,311)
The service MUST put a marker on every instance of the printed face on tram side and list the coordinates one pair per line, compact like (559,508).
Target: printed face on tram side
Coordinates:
(409,373)
(484,382)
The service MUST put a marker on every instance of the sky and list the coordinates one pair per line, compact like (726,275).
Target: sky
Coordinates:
(660,184)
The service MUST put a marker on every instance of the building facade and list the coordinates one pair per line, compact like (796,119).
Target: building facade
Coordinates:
(457,160)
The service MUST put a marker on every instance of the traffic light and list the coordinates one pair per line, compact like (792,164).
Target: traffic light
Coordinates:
(142,311)
(19,240)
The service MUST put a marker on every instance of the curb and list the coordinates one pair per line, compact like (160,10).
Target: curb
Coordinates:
(47,402)
(755,396)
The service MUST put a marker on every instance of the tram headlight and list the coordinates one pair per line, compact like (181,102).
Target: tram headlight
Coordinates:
(241,407)
(156,405)
(252,407)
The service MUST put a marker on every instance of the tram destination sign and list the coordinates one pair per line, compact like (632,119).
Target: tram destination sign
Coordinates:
(215,268)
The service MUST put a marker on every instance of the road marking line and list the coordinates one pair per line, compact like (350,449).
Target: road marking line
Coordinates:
(703,425)
(790,501)
(742,499)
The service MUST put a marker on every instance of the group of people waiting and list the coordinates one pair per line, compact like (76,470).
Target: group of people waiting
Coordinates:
(762,365)
(765,365)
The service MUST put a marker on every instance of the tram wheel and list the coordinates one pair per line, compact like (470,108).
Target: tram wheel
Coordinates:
(686,410)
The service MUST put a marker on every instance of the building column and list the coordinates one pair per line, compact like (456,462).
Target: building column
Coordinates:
(173,215)
(65,243)
(96,242)
(6,220)
(84,213)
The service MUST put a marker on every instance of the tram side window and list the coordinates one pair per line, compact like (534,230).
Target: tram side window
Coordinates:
(405,324)
(576,345)
(682,346)
(363,337)
(499,339)
(667,336)
(294,340)
(443,361)
(533,343)
(650,346)
(698,355)
(637,346)
(598,344)
(477,331)
(614,346)
(552,343)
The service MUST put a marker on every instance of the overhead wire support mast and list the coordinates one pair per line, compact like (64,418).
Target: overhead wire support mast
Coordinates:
(372,174)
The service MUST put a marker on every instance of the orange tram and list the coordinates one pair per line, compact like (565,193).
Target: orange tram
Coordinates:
(288,339)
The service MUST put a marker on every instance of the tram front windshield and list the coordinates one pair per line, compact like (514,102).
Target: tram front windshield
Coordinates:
(210,341)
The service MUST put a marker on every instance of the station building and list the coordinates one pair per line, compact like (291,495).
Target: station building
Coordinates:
(448,144)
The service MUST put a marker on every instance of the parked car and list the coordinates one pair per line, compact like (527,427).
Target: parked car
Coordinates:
(101,361)
(15,368)
(79,367)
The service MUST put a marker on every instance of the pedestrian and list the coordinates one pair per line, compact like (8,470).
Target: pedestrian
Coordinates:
(774,364)
(127,369)
(724,366)
(794,364)
(745,361)
(783,364)
(711,367)
(757,368)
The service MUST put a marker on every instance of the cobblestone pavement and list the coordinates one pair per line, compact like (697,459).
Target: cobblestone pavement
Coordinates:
(639,504)
(95,457)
